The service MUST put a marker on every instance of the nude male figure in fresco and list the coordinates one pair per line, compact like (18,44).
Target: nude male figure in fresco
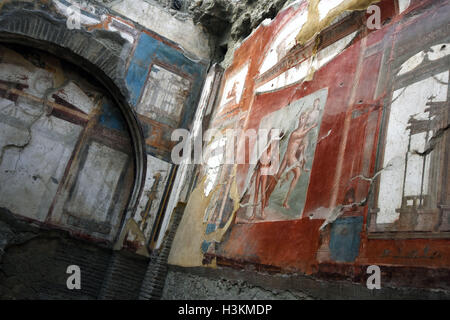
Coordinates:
(295,159)
(263,167)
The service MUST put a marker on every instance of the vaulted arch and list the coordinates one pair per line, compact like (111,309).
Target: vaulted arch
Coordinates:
(99,53)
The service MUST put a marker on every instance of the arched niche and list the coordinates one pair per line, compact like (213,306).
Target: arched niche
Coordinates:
(100,54)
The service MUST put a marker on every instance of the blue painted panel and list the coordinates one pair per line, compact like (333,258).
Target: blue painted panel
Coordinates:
(112,117)
(345,239)
(135,82)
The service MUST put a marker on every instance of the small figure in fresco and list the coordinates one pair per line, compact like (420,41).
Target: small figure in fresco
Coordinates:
(314,114)
(295,157)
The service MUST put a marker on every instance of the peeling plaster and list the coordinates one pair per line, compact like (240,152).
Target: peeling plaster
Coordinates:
(399,144)
(315,24)
(88,18)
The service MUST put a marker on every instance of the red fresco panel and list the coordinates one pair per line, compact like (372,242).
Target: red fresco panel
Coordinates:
(338,76)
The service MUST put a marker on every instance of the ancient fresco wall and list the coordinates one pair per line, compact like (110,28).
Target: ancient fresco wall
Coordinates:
(362,120)
(162,80)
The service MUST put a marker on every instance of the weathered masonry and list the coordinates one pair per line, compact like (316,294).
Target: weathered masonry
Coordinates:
(351,98)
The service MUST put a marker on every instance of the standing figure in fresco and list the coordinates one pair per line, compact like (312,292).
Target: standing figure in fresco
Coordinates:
(265,162)
(295,157)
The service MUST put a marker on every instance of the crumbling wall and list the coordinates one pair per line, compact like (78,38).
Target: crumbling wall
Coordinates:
(161,17)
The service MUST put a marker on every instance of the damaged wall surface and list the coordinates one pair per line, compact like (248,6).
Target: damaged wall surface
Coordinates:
(230,22)
(363,162)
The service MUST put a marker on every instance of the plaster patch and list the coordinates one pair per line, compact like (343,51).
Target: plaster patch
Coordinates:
(188,35)
(88,18)
(434,53)
(284,41)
